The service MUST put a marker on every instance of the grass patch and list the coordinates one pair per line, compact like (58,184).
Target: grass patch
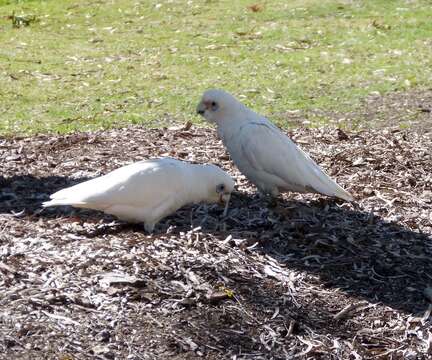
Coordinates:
(96,64)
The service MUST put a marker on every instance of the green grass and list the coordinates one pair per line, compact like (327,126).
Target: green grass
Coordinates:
(96,64)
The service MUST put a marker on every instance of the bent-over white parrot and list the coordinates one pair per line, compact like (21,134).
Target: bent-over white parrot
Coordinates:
(149,190)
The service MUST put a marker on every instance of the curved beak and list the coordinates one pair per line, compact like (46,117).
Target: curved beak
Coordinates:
(224,198)
(201,108)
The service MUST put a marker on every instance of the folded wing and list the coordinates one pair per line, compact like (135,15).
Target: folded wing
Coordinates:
(270,151)
(135,185)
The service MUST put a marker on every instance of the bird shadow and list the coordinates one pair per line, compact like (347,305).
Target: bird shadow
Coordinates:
(346,247)
(349,249)
(22,195)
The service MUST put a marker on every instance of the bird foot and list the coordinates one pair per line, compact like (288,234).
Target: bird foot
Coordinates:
(272,202)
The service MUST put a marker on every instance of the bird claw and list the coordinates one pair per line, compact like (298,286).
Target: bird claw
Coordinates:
(272,202)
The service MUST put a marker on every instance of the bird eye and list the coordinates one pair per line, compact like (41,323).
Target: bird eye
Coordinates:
(220,188)
(214,105)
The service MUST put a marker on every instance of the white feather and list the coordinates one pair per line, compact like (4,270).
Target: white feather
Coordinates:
(268,158)
(146,191)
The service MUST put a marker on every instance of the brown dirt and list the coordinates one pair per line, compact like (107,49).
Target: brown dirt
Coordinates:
(311,278)
(406,109)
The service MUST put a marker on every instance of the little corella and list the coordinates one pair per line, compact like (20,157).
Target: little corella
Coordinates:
(265,155)
(149,190)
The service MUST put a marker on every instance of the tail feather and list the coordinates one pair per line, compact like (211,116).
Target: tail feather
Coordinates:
(59,202)
(317,178)
(329,187)
(72,196)
(343,194)
(321,181)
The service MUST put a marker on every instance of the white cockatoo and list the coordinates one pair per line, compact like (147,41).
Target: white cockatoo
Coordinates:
(149,190)
(265,155)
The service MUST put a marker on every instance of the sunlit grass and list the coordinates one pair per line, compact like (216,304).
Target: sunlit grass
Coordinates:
(96,64)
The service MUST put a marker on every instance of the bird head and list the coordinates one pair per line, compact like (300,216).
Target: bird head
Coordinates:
(220,185)
(216,105)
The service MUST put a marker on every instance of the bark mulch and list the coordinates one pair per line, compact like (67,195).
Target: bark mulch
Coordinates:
(308,278)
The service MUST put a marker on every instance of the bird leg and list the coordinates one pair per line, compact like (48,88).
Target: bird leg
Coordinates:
(271,200)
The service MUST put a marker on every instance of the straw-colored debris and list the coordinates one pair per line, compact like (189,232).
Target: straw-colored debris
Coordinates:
(308,278)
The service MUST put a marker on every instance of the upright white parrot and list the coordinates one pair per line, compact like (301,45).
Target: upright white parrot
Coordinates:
(265,155)
(147,191)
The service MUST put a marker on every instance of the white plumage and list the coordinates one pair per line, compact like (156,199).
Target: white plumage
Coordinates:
(149,190)
(268,158)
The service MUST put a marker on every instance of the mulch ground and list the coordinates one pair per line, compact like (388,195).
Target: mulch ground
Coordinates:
(308,278)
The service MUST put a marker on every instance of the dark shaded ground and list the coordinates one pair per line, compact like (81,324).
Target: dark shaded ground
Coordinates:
(77,284)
